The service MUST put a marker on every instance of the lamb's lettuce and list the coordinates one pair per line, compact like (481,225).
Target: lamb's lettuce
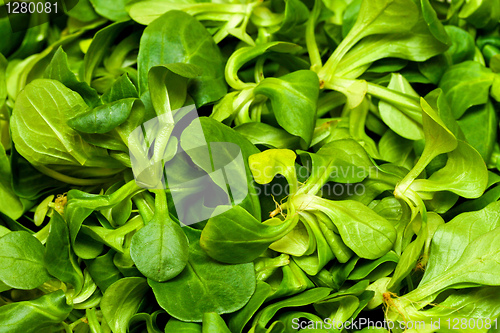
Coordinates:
(228,166)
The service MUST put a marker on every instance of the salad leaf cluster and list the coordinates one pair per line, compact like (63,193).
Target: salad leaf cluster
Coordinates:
(368,134)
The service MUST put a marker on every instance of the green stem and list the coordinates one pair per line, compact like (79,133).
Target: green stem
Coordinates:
(161,205)
(291,178)
(145,208)
(133,224)
(328,71)
(256,112)
(100,202)
(76,322)
(161,140)
(259,69)
(405,102)
(43,233)
(422,162)
(316,181)
(265,267)
(243,117)
(312,46)
(216,9)
(74,181)
(384,177)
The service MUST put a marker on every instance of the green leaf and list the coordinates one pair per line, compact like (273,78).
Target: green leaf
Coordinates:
(404,122)
(106,235)
(376,269)
(296,14)
(351,13)
(12,39)
(462,46)
(479,125)
(465,174)
(312,263)
(103,271)
(299,241)
(59,70)
(245,54)
(235,236)
(146,11)
(103,118)
(121,301)
(40,115)
(150,321)
(368,234)
(10,204)
(462,94)
(308,297)
(451,239)
(434,68)
(188,42)
(160,249)
(342,161)
(213,323)
(122,88)
(472,305)
(101,43)
(83,11)
(112,10)
(411,253)
(384,16)
(433,22)
(238,321)
(476,264)
(267,135)
(384,29)
(81,205)
(38,315)
(293,98)
(480,13)
(388,28)
(205,285)
(28,182)
(214,131)
(168,86)
(21,261)
(396,149)
(3,80)
(60,260)
(35,36)
(438,140)
(266,165)
(177,326)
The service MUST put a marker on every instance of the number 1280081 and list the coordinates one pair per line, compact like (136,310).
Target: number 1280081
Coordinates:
(18,7)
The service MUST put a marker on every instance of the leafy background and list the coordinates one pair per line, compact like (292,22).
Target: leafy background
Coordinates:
(398,98)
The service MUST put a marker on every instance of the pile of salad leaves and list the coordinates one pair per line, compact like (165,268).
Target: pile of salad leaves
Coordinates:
(379,117)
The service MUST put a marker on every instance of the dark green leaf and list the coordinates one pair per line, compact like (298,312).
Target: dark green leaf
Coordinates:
(190,43)
(103,118)
(293,98)
(205,286)
(22,261)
